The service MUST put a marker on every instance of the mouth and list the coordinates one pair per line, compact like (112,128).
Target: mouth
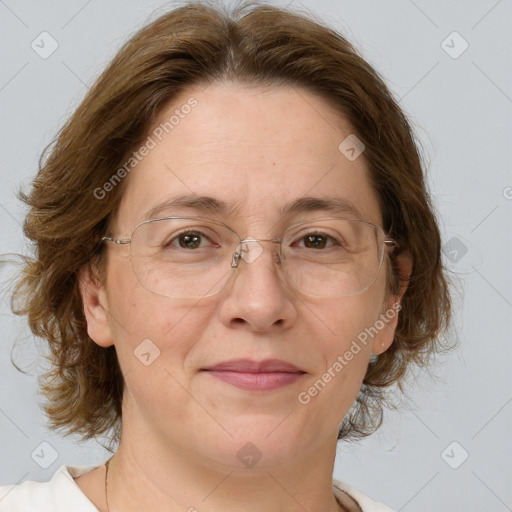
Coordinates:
(249,375)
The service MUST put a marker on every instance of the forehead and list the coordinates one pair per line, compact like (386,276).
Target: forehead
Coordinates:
(256,150)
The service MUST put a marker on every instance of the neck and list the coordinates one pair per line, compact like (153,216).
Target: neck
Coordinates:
(153,475)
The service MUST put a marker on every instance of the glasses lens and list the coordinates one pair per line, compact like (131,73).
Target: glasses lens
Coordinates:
(183,257)
(190,258)
(333,257)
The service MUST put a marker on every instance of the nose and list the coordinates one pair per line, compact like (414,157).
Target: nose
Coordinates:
(257,297)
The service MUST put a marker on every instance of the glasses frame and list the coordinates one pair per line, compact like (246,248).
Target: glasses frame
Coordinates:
(389,243)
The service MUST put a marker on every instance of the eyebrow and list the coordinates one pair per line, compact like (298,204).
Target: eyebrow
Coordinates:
(211,205)
(327,203)
(205,204)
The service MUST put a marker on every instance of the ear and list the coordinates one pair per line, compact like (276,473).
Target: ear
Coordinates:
(95,304)
(388,319)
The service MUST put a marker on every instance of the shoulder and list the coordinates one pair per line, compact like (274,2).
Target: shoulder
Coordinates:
(365,503)
(60,494)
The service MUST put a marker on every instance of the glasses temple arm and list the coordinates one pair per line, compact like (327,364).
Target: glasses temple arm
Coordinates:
(116,241)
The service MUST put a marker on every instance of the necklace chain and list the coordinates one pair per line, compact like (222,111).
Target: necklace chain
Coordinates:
(106,475)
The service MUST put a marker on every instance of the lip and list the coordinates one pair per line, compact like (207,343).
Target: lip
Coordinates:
(250,366)
(250,375)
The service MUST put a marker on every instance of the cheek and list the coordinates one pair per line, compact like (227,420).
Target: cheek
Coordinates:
(346,349)
(349,317)
(142,320)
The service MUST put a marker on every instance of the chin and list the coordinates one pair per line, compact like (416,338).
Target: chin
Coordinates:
(258,445)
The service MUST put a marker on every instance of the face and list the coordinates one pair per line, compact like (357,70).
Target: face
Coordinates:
(257,150)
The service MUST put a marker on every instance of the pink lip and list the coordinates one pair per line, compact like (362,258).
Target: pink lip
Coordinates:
(256,376)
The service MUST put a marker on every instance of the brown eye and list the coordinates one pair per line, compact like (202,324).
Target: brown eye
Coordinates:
(190,240)
(318,241)
(187,240)
(315,241)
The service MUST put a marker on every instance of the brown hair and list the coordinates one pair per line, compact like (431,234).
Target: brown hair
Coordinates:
(198,43)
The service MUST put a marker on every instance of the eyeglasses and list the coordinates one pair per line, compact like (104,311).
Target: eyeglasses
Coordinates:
(193,257)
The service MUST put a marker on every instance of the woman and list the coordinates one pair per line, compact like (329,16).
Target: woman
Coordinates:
(236,256)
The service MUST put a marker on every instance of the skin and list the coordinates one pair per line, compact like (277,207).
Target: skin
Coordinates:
(256,149)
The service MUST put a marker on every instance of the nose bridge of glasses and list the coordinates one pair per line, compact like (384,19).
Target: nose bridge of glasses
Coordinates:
(275,240)
(251,253)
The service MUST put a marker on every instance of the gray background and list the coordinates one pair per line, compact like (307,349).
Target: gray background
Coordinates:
(460,105)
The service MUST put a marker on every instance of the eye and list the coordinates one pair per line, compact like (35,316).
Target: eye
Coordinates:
(187,240)
(318,241)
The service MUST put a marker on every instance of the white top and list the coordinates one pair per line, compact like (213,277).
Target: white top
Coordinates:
(62,494)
